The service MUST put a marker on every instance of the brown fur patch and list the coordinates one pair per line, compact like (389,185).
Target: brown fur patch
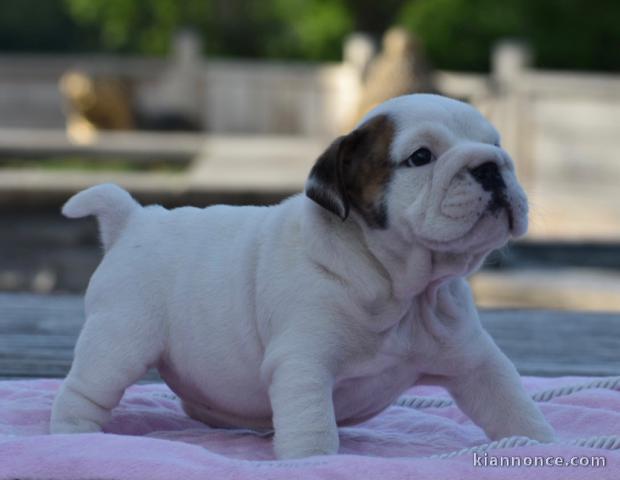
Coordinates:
(368,169)
(355,172)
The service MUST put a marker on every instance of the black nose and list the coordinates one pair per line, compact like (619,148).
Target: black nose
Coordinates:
(488,176)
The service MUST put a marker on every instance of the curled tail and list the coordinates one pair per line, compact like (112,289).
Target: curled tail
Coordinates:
(109,203)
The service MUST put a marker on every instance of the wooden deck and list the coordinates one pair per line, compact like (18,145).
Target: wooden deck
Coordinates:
(37,335)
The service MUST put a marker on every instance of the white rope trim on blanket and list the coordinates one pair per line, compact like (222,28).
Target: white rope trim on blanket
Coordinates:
(610,383)
(411,401)
(605,442)
(508,442)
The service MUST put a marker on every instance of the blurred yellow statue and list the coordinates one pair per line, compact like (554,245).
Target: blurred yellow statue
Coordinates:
(399,69)
(95,103)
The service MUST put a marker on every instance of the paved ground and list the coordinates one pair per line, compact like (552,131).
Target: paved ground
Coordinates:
(37,335)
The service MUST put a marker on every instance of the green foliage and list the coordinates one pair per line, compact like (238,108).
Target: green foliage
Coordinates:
(308,29)
(575,34)
(312,29)
(143,26)
(42,26)
(458,34)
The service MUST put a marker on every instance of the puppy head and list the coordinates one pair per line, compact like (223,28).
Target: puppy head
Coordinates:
(429,168)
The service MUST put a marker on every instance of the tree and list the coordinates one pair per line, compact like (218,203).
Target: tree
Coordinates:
(36,26)
(575,34)
(458,34)
(309,29)
(142,26)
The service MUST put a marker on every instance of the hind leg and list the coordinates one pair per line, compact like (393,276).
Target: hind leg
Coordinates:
(110,355)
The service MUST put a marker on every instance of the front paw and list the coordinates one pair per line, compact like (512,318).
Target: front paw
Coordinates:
(73,425)
(305,444)
(543,433)
(540,431)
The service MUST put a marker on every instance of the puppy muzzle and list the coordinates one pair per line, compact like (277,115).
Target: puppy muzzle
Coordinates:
(491,180)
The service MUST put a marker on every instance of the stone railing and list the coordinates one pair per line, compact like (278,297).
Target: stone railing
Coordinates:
(561,127)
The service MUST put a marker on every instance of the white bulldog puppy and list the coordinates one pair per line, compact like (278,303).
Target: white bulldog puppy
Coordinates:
(319,311)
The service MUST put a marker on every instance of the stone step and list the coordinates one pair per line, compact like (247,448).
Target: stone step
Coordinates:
(135,146)
(584,289)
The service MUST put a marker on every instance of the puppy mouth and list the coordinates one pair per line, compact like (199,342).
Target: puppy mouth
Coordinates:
(472,240)
(500,217)
(499,202)
(490,179)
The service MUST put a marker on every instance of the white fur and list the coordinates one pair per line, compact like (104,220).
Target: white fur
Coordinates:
(288,316)
(111,204)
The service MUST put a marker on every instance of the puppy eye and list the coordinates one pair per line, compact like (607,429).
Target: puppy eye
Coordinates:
(422,156)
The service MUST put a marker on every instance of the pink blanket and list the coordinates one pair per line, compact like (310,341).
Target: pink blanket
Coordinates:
(424,437)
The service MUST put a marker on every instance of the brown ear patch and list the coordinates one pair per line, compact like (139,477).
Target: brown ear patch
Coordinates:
(325,185)
(355,171)
(368,169)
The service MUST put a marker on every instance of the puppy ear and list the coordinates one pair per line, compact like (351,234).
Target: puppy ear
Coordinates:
(354,171)
(326,185)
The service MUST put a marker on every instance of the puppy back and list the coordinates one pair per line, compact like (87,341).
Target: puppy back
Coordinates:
(109,203)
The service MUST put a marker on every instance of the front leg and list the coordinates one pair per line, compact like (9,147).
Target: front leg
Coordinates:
(492,395)
(303,410)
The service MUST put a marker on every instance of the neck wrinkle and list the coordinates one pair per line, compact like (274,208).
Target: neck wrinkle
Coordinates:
(334,232)
(406,263)
(448,266)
